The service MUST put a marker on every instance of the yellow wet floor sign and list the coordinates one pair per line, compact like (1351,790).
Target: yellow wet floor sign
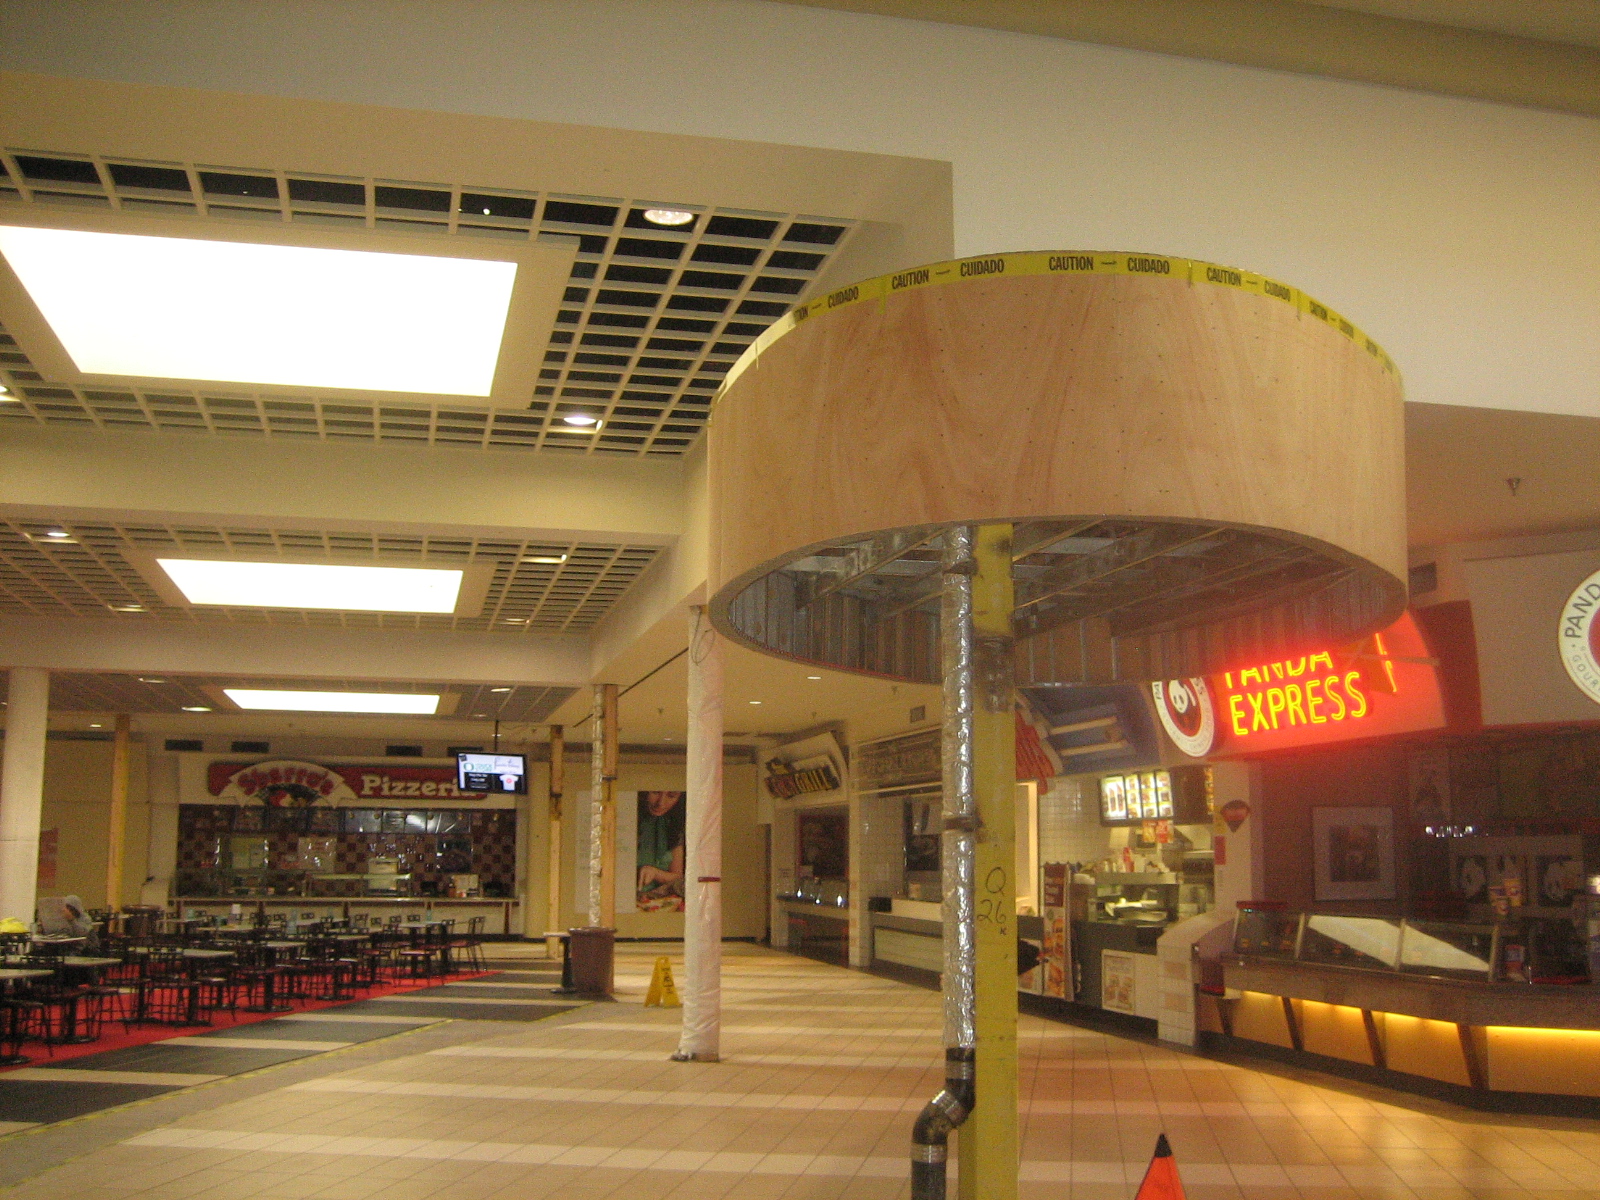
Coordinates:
(662,992)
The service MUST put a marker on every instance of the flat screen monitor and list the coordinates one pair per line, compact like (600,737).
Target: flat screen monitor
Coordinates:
(492,773)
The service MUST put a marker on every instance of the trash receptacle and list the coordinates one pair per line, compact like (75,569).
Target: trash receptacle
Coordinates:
(593,951)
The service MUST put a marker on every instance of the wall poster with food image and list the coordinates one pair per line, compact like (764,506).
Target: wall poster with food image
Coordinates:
(660,841)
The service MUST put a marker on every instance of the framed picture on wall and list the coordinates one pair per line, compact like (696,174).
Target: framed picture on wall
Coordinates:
(1430,784)
(1353,853)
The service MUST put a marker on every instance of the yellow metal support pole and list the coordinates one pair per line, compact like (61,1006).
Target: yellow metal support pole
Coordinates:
(558,786)
(608,807)
(987,1142)
(117,825)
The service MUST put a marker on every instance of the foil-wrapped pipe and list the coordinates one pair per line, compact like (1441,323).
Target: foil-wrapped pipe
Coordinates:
(597,787)
(930,1136)
(960,798)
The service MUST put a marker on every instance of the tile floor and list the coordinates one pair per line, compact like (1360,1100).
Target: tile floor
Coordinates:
(51,1090)
(824,1070)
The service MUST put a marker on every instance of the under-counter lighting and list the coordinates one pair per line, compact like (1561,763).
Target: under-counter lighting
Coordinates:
(243,312)
(408,703)
(315,585)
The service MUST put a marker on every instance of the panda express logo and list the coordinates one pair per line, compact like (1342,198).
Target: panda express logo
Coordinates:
(1579,637)
(1187,714)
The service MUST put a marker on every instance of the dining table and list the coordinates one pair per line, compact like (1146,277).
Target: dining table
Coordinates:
(80,965)
(195,960)
(426,929)
(10,977)
(269,984)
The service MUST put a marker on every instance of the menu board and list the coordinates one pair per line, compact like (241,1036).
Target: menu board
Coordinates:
(1146,796)
(1130,784)
(1113,799)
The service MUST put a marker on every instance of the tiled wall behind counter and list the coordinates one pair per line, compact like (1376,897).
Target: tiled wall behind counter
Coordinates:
(1069,821)
(480,841)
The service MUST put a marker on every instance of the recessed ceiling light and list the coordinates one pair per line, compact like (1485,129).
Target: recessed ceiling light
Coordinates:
(336,702)
(582,420)
(755,702)
(187,308)
(150,679)
(551,559)
(196,708)
(499,689)
(128,607)
(93,725)
(315,585)
(813,676)
(667,216)
(57,534)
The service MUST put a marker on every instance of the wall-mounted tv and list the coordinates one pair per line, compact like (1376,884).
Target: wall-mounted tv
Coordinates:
(492,773)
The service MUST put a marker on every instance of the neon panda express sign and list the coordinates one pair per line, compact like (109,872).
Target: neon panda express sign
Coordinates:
(1386,684)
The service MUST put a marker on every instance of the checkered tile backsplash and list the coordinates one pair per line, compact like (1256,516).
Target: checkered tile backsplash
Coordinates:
(482,842)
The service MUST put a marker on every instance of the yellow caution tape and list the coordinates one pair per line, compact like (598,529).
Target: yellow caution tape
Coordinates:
(663,993)
(1061,262)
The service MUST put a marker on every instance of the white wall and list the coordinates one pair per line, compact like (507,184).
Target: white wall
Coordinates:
(1458,233)
(1518,589)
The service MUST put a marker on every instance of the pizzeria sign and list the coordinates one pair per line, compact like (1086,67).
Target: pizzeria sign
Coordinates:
(290,783)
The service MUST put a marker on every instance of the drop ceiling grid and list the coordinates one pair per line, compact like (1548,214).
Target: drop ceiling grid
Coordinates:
(110,692)
(90,574)
(652,395)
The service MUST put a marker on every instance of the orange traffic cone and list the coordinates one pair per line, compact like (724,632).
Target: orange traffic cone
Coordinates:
(1161,1180)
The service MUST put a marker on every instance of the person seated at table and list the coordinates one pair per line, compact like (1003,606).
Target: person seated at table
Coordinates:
(64,916)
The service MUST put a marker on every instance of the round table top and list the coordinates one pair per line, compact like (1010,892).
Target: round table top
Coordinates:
(78,960)
(198,952)
(59,939)
(351,937)
(8,974)
(420,924)
(284,945)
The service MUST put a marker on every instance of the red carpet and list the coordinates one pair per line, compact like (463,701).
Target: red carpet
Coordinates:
(115,1037)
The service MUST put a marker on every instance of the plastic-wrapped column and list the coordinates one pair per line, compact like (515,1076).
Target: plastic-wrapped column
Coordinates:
(960,801)
(597,787)
(702,873)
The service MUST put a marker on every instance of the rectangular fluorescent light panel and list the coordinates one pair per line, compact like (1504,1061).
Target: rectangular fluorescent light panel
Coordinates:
(183,308)
(314,585)
(334,702)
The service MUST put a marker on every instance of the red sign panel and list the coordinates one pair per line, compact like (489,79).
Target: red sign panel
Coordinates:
(1384,685)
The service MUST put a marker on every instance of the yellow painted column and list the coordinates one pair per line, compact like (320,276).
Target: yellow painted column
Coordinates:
(117,824)
(987,1141)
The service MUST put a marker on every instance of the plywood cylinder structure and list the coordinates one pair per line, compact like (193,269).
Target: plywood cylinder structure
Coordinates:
(1155,395)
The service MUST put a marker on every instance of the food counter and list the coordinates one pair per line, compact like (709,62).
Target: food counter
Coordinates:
(909,940)
(1446,1008)
(502,917)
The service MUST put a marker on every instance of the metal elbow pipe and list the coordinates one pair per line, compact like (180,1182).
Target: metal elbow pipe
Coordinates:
(930,1136)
